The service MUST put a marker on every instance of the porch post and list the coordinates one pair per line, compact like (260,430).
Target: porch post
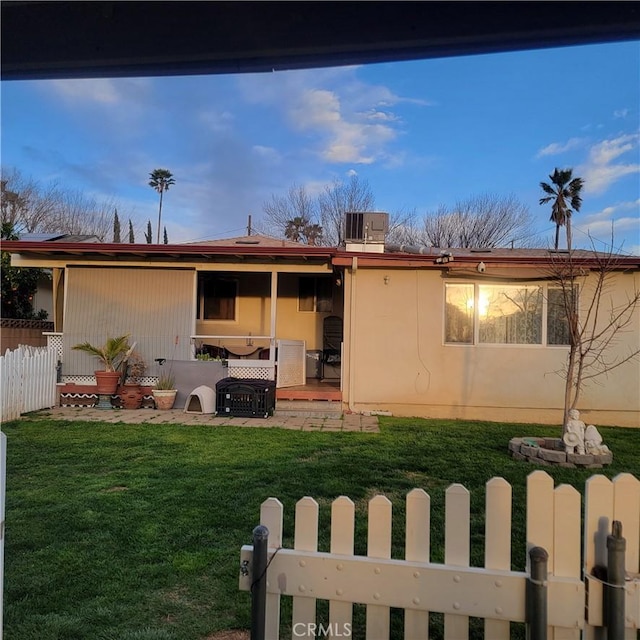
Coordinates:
(614,592)
(274,305)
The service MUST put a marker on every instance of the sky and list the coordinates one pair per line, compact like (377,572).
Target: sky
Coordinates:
(422,134)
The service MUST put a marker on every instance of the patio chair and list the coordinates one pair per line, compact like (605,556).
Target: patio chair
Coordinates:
(331,346)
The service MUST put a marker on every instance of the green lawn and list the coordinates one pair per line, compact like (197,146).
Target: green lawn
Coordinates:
(126,532)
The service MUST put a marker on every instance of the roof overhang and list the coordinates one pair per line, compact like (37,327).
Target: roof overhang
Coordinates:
(467,263)
(110,39)
(47,253)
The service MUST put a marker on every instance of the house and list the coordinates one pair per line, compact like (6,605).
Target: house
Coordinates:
(468,334)
(17,332)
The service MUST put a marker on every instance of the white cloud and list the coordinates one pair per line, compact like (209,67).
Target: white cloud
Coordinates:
(621,113)
(217,122)
(342,118)
(344,137)
(620,220)
(105,91)
(556,148)
(268,153)
(600,171)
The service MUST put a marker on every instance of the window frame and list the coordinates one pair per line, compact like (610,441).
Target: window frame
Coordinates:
(316,290)
(201,297)
(475,330)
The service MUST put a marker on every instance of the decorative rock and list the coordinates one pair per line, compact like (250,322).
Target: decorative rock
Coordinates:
(578,458)
(514,444)
(551,452)
(555,444)
(604,458)
(529,451)
(552,455)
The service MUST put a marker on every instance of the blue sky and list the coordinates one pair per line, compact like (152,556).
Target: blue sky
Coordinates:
(421,133)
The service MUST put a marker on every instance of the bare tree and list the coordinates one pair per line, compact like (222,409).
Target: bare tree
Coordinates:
(75,213)
(25,204)
(480,221)
(594,317)
(405,227)
(30,208)
(281,210)
(339,198)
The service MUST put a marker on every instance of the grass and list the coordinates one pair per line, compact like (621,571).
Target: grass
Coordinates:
(133,532)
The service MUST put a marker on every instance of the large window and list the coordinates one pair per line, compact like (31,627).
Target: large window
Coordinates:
(216,297)
(315,294)
(505,314)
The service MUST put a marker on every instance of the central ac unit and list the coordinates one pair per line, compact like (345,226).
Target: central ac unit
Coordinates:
(366,226)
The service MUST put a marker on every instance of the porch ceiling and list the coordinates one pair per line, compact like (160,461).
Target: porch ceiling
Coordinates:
(93,39)
(186,255)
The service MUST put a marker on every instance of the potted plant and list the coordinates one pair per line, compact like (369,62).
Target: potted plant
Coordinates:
(164,392)
(111,354)
(131,391)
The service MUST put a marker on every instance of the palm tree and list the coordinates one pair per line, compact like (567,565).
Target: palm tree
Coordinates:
(295,228)
(565,194)
(161,180)
(313,233)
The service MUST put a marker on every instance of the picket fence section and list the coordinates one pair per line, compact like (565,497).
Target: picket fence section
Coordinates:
(28,376)
(493,592)
(3,484)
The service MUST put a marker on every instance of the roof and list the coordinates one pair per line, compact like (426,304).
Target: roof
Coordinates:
(256,240)
(57,237)
(266,249)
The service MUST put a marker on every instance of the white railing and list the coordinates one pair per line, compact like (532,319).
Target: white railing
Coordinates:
(456,589)
(28,376)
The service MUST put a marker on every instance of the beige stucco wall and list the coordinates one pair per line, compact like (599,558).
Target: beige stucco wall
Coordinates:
(397,360)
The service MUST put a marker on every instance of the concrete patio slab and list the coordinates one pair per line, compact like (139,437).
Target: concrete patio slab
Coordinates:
(349,422)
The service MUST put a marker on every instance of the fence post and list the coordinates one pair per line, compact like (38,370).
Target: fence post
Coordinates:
(536,595)
(614,588)
(3,479)
(259,584)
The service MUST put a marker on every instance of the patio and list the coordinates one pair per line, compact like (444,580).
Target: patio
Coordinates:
(348,422)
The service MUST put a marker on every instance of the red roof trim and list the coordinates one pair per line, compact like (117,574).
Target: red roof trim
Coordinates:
(170,250)
(339,257)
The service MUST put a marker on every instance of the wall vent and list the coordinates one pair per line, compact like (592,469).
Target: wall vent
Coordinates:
(366,227)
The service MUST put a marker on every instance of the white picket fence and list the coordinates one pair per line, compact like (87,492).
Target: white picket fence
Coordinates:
(493,592)
(3,482)
(28,381)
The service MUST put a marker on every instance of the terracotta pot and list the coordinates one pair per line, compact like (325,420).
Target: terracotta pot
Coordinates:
(164,398)
(107,381)
(130,396)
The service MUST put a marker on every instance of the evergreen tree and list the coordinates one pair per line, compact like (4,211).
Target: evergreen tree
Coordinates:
(166,237)
(116,227)
(132,238)
(148,233)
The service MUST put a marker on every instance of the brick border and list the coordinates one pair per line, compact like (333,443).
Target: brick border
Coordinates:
(550,452)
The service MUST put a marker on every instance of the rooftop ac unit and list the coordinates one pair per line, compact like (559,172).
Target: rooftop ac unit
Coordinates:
(365,226)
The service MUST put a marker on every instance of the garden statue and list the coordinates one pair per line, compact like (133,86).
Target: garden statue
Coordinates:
(593,441)
(573,437)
